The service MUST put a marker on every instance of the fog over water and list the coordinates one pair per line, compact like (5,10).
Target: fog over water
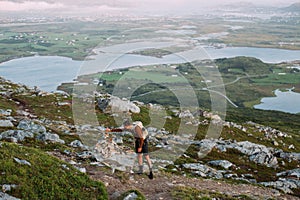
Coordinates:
(82,7)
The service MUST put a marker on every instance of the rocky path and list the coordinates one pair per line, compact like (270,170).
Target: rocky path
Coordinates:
(163,184)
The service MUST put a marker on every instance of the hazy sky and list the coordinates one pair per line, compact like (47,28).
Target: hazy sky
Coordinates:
(126,6)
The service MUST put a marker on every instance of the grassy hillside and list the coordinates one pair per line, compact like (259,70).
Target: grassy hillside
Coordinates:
(46,178)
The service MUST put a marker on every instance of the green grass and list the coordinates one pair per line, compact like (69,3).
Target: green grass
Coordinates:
(46,178)
(156,75)
(279,80)
(46,107)
(7,104)
(159,53)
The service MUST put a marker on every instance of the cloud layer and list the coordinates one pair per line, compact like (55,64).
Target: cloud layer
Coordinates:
(128,6)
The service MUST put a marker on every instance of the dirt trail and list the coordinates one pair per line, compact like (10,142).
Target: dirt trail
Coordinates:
(162,185)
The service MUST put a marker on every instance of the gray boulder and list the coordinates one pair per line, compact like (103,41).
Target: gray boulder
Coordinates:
(76,144)
(26,124)
(204,170)
(26,114)
(131,196)
(221,163)
(16,135)
(285,185)
(264,158)
(119,106)
(118,140)
(22,162)
(4,196)
(85,155)
(102,104)
(205,146)
(250,148)
(197,166)
(5,112)
(257,153)
(293,172)
(49,137)
(6,123)
(288,156)
(186,114)
(8,187)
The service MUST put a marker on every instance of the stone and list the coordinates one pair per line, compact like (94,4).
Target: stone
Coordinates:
(200,173)
(49,137)
(197,167)
(85,155)
(205,146)
(5,112)
(26,124)
(22,162)
(4,196)
(222,163)
(63,103)
(119,106)
(115,195)
(198,113)
(65,167)
(257,153)
(118,140)
(131,196)
(293,172)
(102,104)
(16,135)
(288,156)
(204,171)
(275,143)
(253,181)
(186,114)
(216,174)
(81,169)
(6,123)
(26,114)
(8,187)
(291,146)
(230,176)
(76,144)
(285,185)
(264,159)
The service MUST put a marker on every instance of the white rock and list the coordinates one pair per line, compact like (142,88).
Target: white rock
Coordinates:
(6,123)
(222,163)
(22,162)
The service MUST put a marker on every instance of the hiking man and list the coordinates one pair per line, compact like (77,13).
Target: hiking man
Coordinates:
(141,143)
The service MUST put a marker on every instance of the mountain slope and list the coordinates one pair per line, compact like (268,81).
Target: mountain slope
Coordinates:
(292,8)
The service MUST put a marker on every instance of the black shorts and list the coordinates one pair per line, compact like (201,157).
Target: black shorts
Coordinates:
(144,147)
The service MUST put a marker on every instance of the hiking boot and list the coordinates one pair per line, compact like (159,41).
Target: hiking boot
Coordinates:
(150,175)
(140,171)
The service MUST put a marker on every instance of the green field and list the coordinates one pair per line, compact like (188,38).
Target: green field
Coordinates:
(245,80)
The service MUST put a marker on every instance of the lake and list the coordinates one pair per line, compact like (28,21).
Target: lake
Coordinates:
(287,101)
(268,55)
(48,72)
